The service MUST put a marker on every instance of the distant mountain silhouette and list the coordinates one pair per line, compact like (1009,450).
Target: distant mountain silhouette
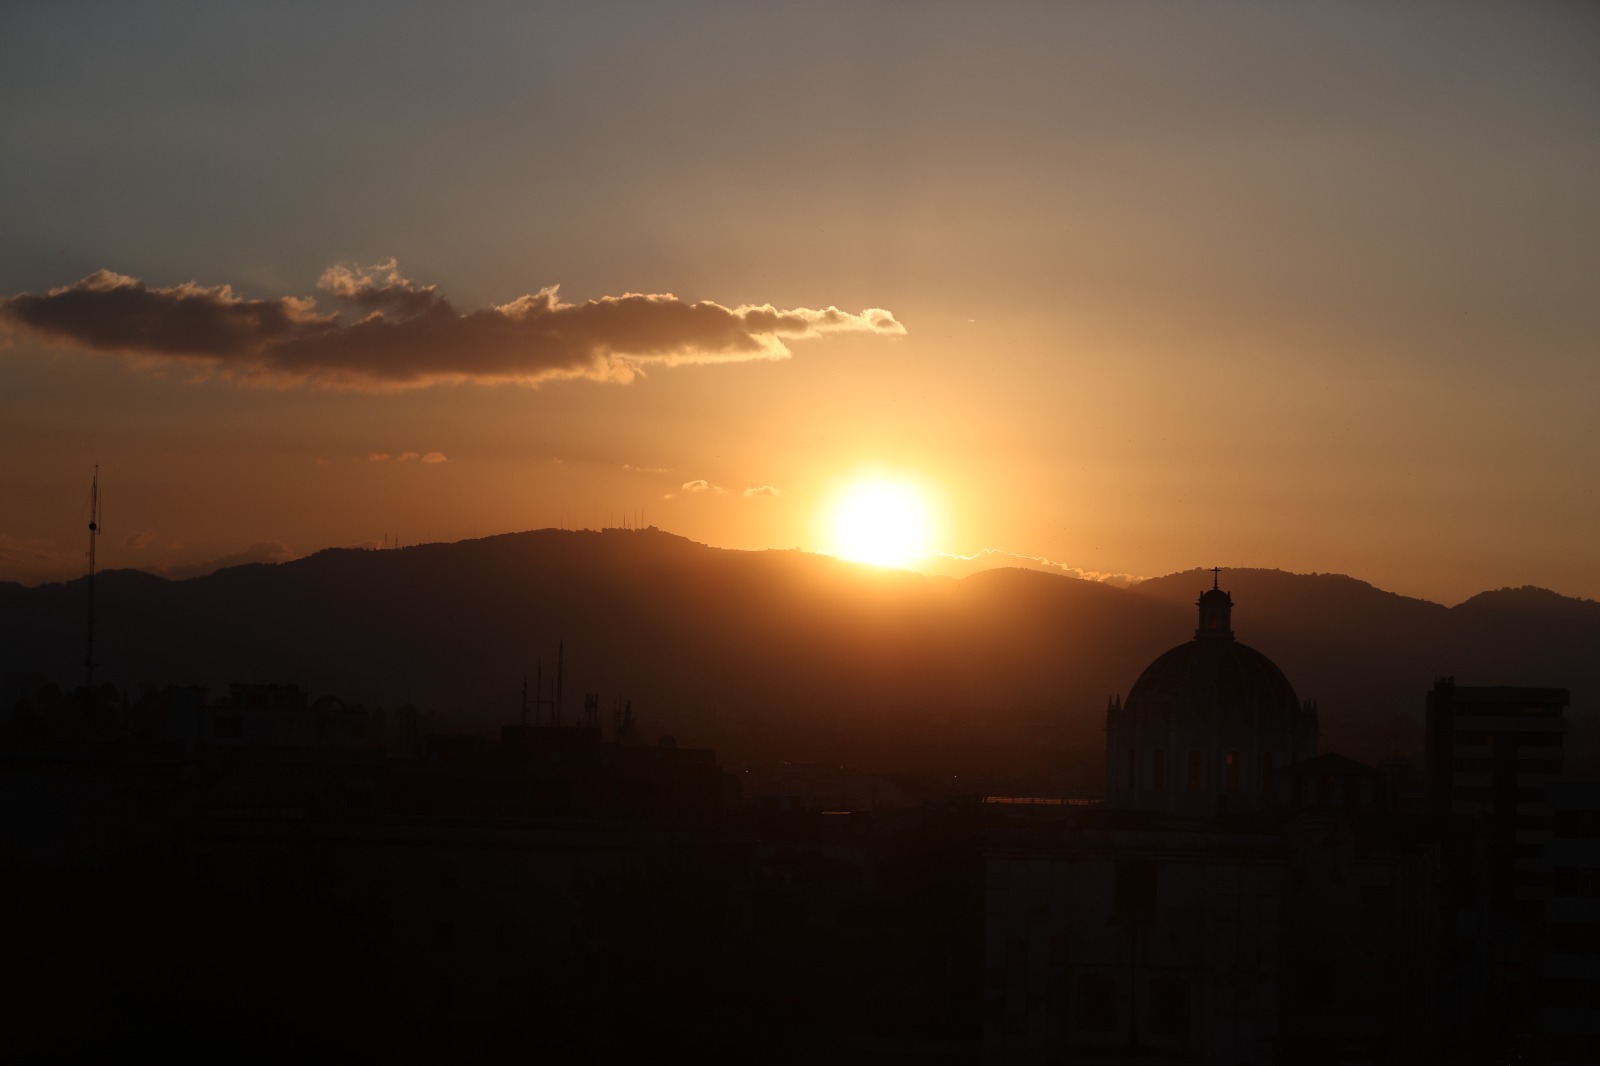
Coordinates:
(784,650)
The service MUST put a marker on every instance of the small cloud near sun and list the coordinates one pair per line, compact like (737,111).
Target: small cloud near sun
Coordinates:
(644,469)
(390,333)
(990,558)
(759,491)
(702,485)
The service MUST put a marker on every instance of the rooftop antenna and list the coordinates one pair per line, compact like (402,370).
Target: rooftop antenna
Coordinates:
(94,533)
(561,661)
(540,700)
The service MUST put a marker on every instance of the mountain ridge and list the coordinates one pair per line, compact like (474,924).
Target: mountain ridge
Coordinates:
(756,648)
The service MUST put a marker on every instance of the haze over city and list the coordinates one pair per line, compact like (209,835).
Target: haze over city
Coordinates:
(1129,288)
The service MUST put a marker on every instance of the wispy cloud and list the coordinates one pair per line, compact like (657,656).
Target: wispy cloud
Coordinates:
(993,558)
(406,457)
(140,539)
(702,485)
(760,491)
(393,333)
(378,457)
(434,457)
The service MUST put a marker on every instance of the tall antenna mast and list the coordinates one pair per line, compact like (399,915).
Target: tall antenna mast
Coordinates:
(94,534)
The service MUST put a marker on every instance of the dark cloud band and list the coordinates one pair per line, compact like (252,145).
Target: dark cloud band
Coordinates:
(410,335)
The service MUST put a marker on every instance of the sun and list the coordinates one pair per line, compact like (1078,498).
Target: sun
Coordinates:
(885,523)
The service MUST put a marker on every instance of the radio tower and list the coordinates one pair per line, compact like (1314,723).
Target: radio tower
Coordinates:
(94,532)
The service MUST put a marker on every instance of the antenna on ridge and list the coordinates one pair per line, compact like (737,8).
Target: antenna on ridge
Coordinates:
(94,533)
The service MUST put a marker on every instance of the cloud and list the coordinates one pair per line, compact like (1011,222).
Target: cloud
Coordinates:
(400,334)
(260,552)
(378,457)
(406,457)
(379,286)
(992,558)
(702,485)
(434,457)
(140,539)
(644,469)
(756,491)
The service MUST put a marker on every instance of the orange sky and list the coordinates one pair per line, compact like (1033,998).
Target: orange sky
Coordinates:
(1133,288)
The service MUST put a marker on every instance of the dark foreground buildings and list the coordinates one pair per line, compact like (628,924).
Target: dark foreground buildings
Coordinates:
(1241,899)
(267,875)
(1237,899)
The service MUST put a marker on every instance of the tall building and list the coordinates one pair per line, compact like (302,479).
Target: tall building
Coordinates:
(1206,726)
(1570,1013)
(1492,750)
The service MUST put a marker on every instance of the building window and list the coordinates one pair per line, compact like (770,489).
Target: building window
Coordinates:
(1194,771)
(1158,769)
(1169,1006)
(1230,767)
(1097,1003)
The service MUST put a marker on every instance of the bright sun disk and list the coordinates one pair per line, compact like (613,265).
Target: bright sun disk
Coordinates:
(881,522)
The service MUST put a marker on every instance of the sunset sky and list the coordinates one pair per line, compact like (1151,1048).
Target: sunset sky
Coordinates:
(1131,287)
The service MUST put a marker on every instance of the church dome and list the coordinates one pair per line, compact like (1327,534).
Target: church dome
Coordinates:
(1214,679)
(1206,724)
(1213,676)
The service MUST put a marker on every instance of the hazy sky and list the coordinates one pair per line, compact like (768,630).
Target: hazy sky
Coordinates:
(1134,287)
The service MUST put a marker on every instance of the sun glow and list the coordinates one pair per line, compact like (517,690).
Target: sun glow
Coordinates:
(885,523)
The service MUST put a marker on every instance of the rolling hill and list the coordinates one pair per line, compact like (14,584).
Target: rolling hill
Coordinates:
(783,651)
